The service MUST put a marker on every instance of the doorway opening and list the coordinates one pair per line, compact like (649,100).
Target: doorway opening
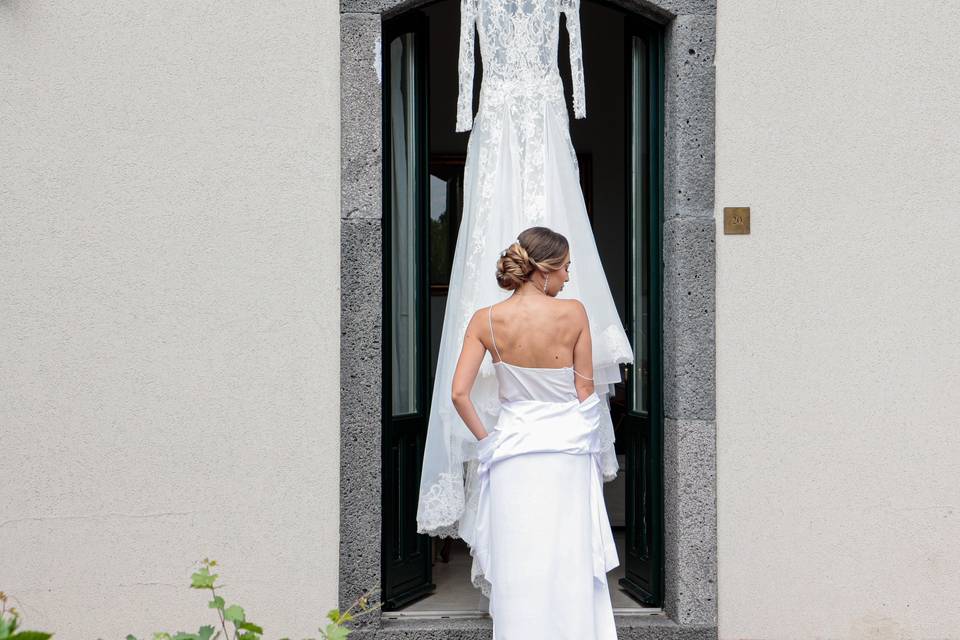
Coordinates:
(619,152)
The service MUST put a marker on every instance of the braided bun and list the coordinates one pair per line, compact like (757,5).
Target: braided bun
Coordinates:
(514,267)
(536,248)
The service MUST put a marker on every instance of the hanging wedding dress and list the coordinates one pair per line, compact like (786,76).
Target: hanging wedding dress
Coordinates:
(521,171)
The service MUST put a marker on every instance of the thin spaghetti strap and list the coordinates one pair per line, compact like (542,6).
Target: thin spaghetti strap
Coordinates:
(581,375)
(492,338)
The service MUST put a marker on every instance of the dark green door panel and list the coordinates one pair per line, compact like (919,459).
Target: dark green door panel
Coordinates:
(406,555)
(643,561)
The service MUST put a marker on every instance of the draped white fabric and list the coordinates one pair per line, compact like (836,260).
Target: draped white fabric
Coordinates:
(540,536)
(521,171)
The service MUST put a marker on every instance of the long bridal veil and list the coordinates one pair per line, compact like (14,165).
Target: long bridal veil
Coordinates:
(448,487)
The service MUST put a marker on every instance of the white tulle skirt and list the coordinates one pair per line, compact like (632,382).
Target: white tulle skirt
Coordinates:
(521,171)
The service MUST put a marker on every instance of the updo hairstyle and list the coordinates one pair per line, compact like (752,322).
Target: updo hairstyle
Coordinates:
(536,248)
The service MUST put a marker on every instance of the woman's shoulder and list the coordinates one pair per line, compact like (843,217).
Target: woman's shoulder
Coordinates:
(573,306)
(568,311)
(479,314)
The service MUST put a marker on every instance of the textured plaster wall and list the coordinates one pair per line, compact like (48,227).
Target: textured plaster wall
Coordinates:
(169,326)
(837,339)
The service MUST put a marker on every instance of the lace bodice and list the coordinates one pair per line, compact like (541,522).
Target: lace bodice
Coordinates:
(518,44)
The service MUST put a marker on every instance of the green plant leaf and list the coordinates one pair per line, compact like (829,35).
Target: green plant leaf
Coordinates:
(249,626)
(203,579)
(8,626)
(216,603)
(336,632)
(234,614)
(31,635)
(131,637)
(205,632)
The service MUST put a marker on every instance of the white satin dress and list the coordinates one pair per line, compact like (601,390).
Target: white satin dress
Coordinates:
(542,543)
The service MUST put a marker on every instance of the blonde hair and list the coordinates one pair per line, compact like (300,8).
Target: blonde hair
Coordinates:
(536,248)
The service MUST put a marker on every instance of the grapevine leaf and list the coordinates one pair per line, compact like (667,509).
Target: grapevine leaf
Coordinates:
(234,613)
(336,632)
(203,579)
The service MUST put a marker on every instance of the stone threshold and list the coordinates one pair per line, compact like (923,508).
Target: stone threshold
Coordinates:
(630,626)
(481,615)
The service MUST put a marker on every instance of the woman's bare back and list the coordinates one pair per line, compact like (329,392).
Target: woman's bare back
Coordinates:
(534,331)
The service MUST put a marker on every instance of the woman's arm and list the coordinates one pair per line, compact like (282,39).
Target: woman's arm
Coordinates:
(583,355)
(468,364)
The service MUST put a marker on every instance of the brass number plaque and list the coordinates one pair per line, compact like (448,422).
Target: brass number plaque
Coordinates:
(736,220)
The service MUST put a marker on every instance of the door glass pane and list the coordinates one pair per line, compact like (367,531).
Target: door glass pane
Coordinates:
(403,224)
(446,206)
(639,392)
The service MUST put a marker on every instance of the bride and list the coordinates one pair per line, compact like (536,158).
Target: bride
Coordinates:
(541,540)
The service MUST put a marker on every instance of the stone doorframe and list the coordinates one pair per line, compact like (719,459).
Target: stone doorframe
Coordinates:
(689,308)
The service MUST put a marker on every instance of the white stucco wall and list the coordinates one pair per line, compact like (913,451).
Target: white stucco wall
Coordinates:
(837,332)
(169,251)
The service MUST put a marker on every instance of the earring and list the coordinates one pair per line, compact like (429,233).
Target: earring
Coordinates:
(546,279)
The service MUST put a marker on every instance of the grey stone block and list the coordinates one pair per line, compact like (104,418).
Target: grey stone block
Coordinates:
(690,521)
(658,9)
(652,627)
(360,396)
(430,629)
(385,7)
(660,627)
(689,117)
(664,10)
(689,318)
(690,7)
(361,152)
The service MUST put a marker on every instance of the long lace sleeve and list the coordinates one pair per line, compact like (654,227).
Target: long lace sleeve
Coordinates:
(571,9)
(468,18)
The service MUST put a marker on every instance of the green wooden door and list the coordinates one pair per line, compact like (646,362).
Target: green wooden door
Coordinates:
(406,557)
(643,448)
